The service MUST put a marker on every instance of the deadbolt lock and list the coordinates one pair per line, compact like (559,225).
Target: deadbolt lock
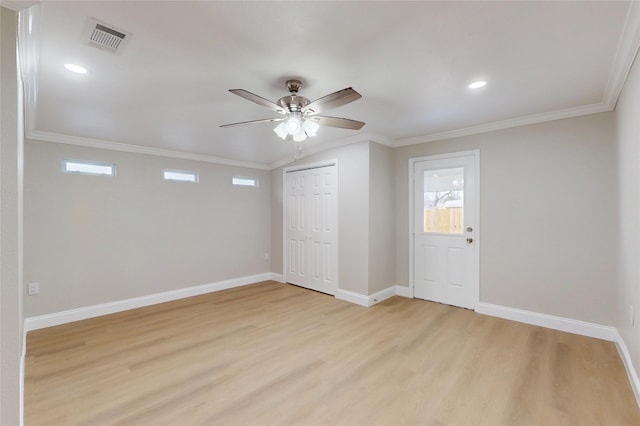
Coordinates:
(469,229)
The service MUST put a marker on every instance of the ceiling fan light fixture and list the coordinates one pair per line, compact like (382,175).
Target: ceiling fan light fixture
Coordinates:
(300,136)
(281,130)
(310,127)
(293,124)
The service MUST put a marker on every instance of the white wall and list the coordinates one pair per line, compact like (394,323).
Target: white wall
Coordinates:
(548,215)
(627,121)
(382,241)
(10,223)
(96,239)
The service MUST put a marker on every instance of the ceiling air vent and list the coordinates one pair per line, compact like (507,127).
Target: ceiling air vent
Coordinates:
(104,36)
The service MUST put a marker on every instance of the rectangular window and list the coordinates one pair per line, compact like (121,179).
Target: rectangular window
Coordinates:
(245,181)
(444,200)
(180,175)
(89,167)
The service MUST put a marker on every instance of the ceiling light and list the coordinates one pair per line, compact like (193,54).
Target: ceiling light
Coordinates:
(76,68)
(477,84)
(281,130)
(293,124)
(310,127)
(297,126)
(300,136)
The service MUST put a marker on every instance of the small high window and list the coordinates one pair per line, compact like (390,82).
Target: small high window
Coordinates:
(180,175)
(244,181)
(89,167)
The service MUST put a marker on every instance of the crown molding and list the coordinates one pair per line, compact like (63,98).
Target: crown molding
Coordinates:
(17,5)
(507,124)
(628,46)
(137,149)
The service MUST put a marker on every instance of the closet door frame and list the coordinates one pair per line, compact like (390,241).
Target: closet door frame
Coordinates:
(285,254)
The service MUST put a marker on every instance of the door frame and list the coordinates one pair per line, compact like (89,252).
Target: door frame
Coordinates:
(299,168)
(476,234)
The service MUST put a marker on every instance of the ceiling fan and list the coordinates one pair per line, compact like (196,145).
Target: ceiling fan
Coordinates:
(300,117)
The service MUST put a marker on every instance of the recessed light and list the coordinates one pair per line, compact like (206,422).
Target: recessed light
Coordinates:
(477,84)
(76,68)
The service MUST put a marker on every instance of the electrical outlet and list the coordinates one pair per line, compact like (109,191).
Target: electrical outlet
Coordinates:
(631,316)
(34,288)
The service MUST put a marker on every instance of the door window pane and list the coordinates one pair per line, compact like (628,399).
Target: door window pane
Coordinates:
(444,200)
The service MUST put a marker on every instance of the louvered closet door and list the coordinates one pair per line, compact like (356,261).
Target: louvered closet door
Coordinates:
(311,229)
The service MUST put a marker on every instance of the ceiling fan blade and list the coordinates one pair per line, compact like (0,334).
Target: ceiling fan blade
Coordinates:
(333,100)
(343,123)
(258,100)
(264,120)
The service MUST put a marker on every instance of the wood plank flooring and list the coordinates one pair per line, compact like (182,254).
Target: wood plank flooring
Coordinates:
(277,354)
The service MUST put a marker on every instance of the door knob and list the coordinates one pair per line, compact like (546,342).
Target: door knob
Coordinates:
(469,240)
(469,229)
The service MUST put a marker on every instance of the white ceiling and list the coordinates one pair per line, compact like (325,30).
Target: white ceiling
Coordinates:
(411,61)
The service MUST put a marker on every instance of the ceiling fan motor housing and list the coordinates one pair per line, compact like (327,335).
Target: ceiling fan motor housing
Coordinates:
(293,103)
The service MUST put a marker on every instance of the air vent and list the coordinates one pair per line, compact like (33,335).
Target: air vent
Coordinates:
(104,36)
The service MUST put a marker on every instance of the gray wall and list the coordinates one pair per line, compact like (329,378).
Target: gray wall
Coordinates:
(98,239)
(11,318)
(548,215)
(353,214)
(627,117)
(382,241)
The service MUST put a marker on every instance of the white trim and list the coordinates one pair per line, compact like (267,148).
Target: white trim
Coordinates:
(507,124)
(404,291)
(277,277)
(628,46)
(382,295)
(475,153)
(549,321)
(352,297)
(17,6)
(137,149)
(366,301)
(23,357)
(623,351)
(49,320)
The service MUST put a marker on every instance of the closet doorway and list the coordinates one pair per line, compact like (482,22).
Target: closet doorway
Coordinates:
(311,227)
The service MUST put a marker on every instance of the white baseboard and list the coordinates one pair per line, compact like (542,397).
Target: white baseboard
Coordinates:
(623,351)
(23,357)
(549,321)
(277,277)
(366,301)
(571,326)
(381,295)
(403,291)
(50,320)
(352,297)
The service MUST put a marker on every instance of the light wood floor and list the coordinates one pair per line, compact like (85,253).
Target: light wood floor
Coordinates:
(278,354)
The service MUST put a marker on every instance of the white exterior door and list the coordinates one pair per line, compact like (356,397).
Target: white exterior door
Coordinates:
(311,237)
(445,230)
